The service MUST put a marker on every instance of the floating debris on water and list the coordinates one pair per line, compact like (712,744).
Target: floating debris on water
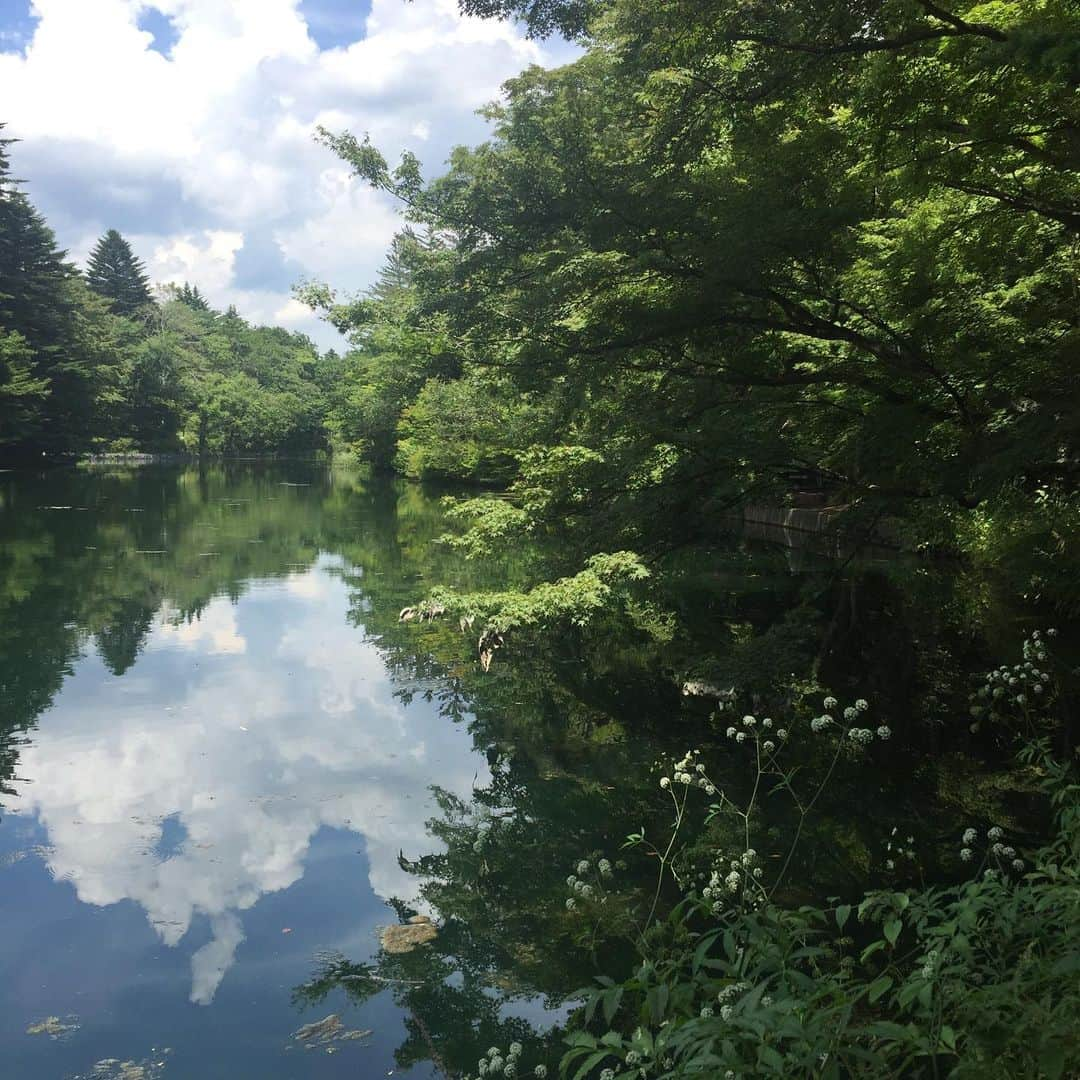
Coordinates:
(54,1027)
(419,930)
(328,1031)
(114,1069)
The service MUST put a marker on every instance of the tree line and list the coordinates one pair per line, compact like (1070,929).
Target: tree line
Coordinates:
(100,362)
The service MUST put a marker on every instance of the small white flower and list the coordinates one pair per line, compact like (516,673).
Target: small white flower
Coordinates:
(970,836)
(741,737)
(966,854)
(583,866)
(665,782)
(781,733)
(850,713)
(830,703)
(994,833)
(766,723)
(709,789)
(770,746)
(706,1013)
(1018,865)
(883,732)
(725,1012)
(862,705)
(748,721)
(571,903)
(515,1049)
(731,732)
(540,1072)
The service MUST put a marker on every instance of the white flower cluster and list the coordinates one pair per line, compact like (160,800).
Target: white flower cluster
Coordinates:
(689,772)
(581,888)
(895,849)
(731,992)
(930,964)
(1002,853)
(765,737)
(1020,685)
(494,1064)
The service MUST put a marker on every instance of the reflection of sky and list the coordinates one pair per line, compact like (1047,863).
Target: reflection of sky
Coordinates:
(194,784)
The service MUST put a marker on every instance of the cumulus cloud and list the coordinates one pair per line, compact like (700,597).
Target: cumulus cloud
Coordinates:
(293,728)
(212,136)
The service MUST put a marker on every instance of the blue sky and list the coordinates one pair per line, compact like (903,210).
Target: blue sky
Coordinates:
(187,125)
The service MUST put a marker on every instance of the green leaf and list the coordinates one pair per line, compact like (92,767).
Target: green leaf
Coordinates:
(612,1000)
(843,912)
(892,930)
(587,1065)
(768,1056)
(878,987)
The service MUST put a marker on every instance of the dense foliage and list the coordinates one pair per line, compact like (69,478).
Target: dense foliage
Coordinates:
(738,249)
(812,253)
(96,363)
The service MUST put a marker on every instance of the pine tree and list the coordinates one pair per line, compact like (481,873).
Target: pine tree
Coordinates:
(190,295)
(34,311)
(115,273)
(60,352)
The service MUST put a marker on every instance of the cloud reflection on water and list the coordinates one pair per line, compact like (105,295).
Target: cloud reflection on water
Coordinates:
(251,727)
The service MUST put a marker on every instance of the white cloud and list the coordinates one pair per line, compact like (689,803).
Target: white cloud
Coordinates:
(214,629)
(216,139)
(251,756)
(208,259)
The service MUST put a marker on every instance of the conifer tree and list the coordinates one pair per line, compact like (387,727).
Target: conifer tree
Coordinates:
(190,295)
(60,350)
(114,272)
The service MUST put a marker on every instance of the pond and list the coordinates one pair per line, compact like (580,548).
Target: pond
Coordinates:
(227,767)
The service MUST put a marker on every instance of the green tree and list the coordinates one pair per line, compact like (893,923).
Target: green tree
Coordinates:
(834,241)
(114,272)
(191,296)
(62,350)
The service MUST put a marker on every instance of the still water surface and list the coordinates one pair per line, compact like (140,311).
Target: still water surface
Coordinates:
(218,772)
(225,765)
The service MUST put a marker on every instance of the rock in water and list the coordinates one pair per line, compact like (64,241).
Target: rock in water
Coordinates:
(419,930)
(327,1031)
(54,1027)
